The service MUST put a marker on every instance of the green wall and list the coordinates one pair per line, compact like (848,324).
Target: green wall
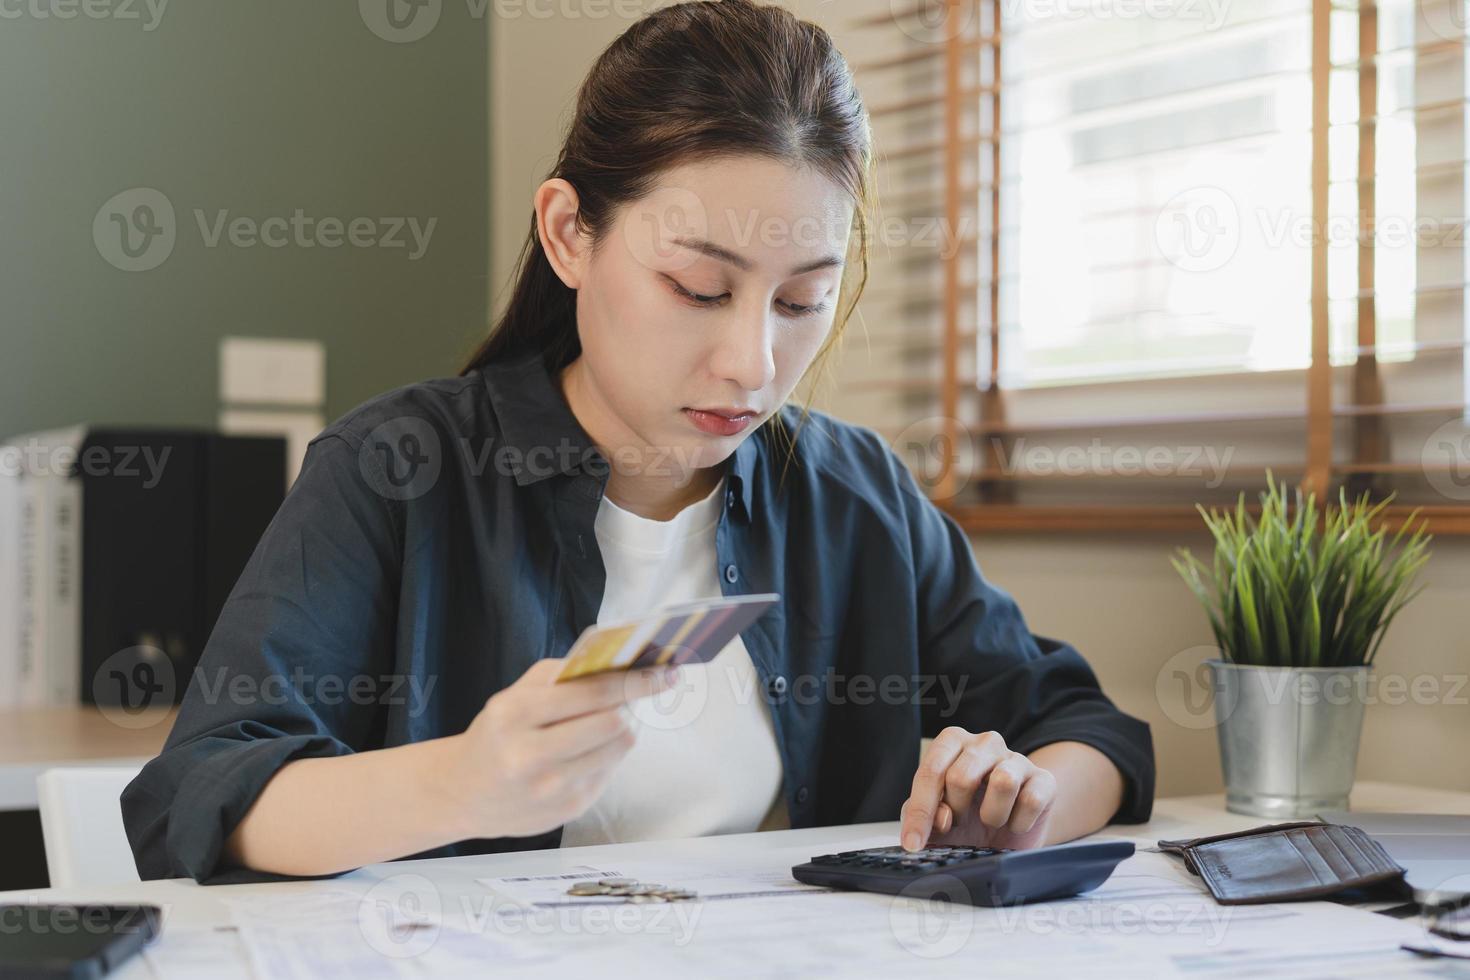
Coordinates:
(259,109)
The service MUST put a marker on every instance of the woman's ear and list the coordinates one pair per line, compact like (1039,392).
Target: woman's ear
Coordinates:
(566,248)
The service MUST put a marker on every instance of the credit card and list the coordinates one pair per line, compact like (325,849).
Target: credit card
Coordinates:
(684,633)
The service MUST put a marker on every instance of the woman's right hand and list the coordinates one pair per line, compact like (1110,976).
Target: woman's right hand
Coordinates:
(540,753)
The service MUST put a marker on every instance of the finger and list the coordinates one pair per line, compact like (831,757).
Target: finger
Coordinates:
(597,692)
(944,819)
(967,773)
(1002,787)
(594,762)
(572,737)
(1038,794)
(920,808)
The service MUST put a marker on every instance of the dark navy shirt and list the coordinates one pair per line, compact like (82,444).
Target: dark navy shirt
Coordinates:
(439,540)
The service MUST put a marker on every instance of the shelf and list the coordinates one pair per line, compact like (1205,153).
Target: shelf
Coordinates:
(33,740)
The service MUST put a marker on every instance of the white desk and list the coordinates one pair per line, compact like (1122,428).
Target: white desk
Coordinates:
(189,906)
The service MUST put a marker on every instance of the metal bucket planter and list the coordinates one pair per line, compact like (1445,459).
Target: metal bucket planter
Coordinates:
(1288,736)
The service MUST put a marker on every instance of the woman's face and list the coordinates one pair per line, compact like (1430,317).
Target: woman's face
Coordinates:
(703,306)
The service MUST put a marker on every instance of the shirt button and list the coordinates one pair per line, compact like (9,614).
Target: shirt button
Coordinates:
(731,574)
(802,795)
(777,685)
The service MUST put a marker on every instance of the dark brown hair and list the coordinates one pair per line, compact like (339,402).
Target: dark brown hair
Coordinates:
(685,83)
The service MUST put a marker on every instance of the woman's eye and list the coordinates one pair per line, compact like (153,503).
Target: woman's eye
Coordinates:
(795,309)
(792,309)
(695,297)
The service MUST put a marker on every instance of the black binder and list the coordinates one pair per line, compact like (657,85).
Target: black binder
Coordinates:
(162,546)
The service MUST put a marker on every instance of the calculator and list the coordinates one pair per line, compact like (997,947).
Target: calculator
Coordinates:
(972,875)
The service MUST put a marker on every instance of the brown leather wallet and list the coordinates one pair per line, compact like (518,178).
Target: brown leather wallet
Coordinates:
(1285,862)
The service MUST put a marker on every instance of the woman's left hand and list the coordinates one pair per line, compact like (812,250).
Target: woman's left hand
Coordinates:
(972,790)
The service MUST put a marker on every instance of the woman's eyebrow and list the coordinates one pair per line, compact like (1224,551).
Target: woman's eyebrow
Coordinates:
(745,265)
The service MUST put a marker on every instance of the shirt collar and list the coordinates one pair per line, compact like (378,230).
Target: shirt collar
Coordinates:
(537,423)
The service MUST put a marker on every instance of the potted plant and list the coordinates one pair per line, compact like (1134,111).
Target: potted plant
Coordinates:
(1299,603)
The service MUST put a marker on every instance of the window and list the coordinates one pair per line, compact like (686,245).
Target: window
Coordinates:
(1181,244)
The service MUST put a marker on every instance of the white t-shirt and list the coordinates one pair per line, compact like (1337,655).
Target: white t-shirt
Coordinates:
(706,760)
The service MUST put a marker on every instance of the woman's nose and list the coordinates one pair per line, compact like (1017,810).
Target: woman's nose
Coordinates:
(745,354)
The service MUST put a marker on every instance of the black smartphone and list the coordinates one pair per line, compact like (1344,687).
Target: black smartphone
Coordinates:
(42,941)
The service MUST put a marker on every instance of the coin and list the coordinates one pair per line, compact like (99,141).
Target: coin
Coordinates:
(617,882)
(586,888)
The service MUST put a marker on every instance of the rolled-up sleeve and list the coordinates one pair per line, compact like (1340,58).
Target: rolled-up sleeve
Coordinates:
(286,673)
(1030,689)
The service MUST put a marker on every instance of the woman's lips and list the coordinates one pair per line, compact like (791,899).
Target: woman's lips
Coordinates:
(718,422)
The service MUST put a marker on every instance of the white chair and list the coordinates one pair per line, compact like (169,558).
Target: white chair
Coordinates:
(81,823)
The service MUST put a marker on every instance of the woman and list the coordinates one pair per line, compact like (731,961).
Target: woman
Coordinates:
(621,440)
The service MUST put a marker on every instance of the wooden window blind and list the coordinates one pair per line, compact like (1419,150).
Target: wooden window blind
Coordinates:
(1130,256)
